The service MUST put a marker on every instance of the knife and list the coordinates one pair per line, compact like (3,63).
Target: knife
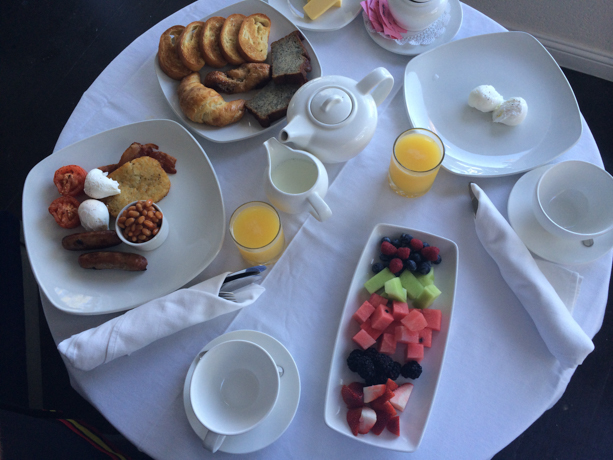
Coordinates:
(473,199)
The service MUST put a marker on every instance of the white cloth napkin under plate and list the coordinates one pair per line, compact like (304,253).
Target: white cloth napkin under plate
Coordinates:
(149,322)
(553,319)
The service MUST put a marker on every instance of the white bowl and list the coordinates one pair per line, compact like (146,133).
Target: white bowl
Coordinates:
(154,242)
(573,200)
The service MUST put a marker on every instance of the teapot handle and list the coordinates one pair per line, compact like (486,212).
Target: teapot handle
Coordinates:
(379,82)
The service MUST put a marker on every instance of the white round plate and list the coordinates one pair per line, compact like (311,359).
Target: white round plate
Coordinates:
(455,22)
(283,413)
(539,240)
(436,89)
(248,126)
(195,238)
(333,19)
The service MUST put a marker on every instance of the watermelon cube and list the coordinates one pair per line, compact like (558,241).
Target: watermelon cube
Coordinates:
(415,352)
(381,318)
(367,326)
(399,309)
(403,335)
(375,300)
(364,312)
(425,337)
(387,344)
(364,339)
(414,321)
(391,329)
(433,317)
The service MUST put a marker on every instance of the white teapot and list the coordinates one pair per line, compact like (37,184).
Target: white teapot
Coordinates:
(334,117)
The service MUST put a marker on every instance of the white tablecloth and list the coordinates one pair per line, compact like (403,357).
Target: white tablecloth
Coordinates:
(498,376)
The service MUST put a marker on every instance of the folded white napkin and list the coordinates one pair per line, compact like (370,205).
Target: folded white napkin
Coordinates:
(151,321)
(561,333)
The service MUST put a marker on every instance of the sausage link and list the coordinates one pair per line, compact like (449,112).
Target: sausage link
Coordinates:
(113,260)
(91,240)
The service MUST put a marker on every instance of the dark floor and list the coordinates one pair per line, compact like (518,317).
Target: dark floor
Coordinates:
(50,53)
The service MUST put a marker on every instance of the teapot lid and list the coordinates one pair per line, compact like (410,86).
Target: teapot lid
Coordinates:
(331,106)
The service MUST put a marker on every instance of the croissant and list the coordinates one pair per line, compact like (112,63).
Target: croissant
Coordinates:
(204,105)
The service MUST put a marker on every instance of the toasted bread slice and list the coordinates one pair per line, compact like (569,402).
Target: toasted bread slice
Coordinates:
(228,40)
(168,57)
(271,103)
(209,42)
(290,60)
(253,37)
(188,48)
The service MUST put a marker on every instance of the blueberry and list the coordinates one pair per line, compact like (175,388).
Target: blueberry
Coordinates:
(384,239)
(396,242)
(425,244)
(377,267)
(385,257)
(415,257)
(410,265)
(424,268)
(438,260)
(405,239)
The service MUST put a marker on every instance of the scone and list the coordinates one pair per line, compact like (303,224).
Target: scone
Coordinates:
(228,40)
(253,37)
(168,56)
(209,42)
(188,48)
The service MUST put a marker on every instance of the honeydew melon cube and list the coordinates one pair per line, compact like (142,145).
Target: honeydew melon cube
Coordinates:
(426,280)
(411,284)
(427,297)
(378,281)
(394,289)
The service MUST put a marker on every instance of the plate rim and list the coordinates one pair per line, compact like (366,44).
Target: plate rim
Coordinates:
(28,228)
(345,315)
(198,129)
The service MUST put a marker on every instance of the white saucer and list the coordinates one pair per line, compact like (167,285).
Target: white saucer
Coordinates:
(537,239)
(455,22)
(283,413)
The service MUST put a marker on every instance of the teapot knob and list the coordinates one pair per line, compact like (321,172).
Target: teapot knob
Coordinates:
(330,102)
(331,106)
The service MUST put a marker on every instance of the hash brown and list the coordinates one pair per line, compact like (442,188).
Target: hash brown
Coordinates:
(140,179)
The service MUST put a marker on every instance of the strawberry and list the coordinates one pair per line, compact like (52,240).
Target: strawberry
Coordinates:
(401,396)
(373,392)
(353,420)
(383,419)
(368,418)
(385,397)
(351,398)
(393,425)
(391,385)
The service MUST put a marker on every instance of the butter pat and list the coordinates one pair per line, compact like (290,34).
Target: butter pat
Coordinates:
(315,8)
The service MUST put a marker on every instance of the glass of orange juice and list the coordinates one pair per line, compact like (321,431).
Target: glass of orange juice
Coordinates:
(417,157)
(256,230)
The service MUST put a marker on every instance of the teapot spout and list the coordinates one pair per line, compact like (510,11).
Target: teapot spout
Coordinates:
(298,132)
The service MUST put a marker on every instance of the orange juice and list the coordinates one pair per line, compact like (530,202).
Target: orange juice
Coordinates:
(257,231)
(417,157)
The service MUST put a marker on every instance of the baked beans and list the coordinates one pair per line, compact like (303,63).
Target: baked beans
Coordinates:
(140,222)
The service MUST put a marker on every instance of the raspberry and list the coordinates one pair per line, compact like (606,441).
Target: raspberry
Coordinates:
(416,244)
(388,248)
(403,253)
(396,265)
(430,253)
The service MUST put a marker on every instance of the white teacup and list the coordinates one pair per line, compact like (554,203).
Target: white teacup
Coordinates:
(234,387)
(574,200)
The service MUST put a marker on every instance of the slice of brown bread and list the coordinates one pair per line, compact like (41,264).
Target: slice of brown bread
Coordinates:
(168,56)
(253,37)
(228,40)
(209,42)
(290,60)
(271,102)
(188,48)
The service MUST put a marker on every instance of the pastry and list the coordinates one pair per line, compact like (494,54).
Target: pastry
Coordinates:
(204,105)
(248,76)
(253,38)
(168,57)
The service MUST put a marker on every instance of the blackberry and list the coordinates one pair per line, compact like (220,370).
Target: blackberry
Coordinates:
(359,362)
(394,370)
(411,370)
(377,267)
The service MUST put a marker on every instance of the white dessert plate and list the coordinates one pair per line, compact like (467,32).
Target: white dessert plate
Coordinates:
(248,126)
(451,30)
(195,236)
(437,85)
(282,414)
(540,241)
(414,419)
(333,19)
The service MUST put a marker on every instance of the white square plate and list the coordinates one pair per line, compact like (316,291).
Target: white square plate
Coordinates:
(415,416)
(194,208)
(437,84)
(248,126)
(334,19)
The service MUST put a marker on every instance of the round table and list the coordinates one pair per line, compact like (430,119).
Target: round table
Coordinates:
(498,376)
